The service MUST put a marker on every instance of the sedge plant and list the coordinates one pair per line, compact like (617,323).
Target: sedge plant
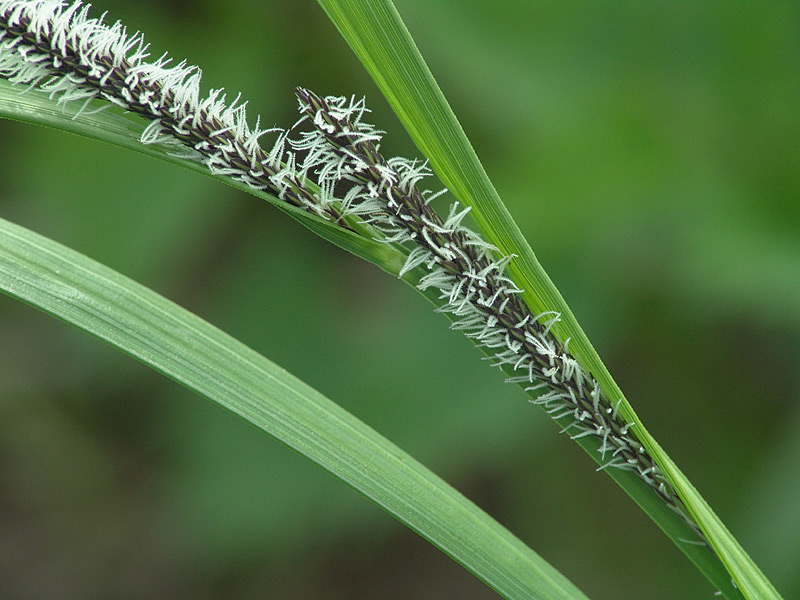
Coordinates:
(64,66)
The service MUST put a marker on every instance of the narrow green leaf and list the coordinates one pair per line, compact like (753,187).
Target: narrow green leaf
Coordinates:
(159,333)
(748,576)
(380,39)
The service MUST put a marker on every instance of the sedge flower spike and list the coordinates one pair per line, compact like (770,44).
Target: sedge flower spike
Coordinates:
(57,48)
(335,171)
(343,152)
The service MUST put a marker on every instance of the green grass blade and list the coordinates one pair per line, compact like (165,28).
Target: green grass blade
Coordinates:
(143,324)
(377,35)
(748,576)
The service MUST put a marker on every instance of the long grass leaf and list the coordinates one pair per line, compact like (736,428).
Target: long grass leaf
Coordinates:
(380,39)
(179,344)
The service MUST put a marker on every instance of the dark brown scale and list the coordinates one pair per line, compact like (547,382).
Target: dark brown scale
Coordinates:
(113,86)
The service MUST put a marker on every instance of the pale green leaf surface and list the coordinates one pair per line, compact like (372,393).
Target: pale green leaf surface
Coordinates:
(179,344)
(377,35)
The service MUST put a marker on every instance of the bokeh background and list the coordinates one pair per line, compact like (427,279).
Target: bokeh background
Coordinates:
(651,154)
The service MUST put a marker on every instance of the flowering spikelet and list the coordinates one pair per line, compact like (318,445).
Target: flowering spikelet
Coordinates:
(343,153)
(58,48)
(55,47)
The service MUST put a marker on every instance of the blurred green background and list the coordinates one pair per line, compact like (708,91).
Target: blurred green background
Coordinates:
(651,154)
